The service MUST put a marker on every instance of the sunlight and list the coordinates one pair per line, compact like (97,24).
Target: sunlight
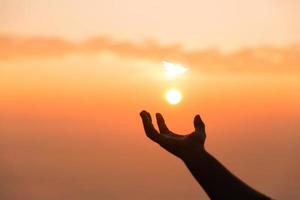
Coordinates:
(172,70)
(173,96)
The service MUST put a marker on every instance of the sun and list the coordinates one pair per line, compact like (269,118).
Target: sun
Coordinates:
(173,96)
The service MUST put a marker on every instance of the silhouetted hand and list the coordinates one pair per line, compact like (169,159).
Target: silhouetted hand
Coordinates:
(182,146)
(217,181)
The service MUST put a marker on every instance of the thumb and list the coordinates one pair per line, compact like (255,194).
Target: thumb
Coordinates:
(199,124)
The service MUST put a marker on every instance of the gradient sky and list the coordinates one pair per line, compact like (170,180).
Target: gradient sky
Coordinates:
(226,24)
(74,76)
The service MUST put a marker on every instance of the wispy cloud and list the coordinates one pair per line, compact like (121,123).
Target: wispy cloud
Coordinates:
(256,59)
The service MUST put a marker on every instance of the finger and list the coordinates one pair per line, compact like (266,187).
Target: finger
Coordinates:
(149,116)
(199,124)
(150,131)
(163,129)
(161,124)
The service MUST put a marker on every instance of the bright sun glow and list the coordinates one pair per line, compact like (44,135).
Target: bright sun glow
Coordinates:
(173,96)
(172,70)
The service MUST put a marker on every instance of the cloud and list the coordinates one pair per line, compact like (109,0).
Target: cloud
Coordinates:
(256,59)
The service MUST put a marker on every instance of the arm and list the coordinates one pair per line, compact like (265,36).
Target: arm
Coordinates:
(215,179)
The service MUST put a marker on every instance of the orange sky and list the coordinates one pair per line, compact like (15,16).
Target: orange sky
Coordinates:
(74,76)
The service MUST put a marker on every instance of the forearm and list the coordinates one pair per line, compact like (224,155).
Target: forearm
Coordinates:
(216,180)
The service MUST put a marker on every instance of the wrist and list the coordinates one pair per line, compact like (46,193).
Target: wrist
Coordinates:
(196,155)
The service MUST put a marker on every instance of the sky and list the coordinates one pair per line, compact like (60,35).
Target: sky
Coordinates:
(74,76)
(198,24)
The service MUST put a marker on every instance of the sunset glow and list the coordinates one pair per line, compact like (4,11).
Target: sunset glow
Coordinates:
(173,96)
(172,69)
(74,76)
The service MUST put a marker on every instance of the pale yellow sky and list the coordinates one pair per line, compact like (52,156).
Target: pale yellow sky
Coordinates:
(194,23)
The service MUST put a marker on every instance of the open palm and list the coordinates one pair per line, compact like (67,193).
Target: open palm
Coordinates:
(182,146)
